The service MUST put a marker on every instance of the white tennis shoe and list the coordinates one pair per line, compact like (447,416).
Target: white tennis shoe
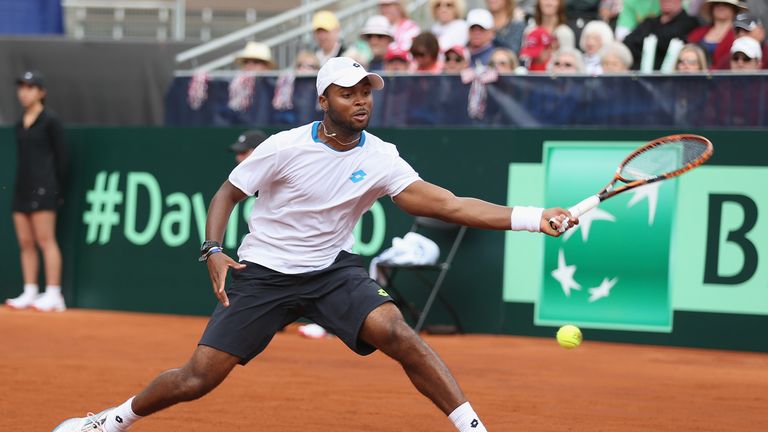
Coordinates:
(50,302)
(90,423)
(25,300)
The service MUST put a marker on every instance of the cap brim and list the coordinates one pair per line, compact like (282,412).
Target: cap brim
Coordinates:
(350,80)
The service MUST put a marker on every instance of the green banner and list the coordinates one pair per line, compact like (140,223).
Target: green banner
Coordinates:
(612,270)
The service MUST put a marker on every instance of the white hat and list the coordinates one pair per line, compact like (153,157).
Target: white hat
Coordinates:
(377,25)
(480,17)
(748,46)
(344,72)
(256,51)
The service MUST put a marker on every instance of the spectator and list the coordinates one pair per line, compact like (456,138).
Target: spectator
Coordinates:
(747,24)
(425,50)
(579,13)
(245,144)
(536,50)
(396,60)
(759,9)
(746,54)
(563,37)
(504,61)
(39,189)
(456,59)
(673,23)
(255,57)
(509,29)
(306,63)
(566,61)
(616,58)
(595,36)
(244,88)
(717,37)
(633,12)
(691,59)
(550,14)
(326,28)
(449,27)
(609,11)
(377,32)
(404,29)
(360,52)
(481,34)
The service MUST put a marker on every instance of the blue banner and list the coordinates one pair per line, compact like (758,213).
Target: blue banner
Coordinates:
(31,17)
(689,101)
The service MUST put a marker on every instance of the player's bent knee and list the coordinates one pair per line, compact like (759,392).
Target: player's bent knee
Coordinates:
(193,387)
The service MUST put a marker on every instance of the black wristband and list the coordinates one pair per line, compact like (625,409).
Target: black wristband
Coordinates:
(207,245)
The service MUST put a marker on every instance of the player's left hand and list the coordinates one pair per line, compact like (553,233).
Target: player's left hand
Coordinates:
(218,265)
(558,216)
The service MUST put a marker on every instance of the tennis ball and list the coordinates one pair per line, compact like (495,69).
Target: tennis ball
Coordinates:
(569,336)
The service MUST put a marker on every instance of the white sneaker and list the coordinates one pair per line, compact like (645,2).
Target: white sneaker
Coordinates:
(312,331)
(50,302)
(90,423)
(25,300)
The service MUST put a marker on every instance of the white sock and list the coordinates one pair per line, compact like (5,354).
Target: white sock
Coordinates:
(121,418)
(466,420)
(31,288)
(53,289)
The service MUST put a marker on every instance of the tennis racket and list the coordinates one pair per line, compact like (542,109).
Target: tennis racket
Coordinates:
(658,160)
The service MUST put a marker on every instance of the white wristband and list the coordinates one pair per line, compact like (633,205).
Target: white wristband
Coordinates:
(526,218)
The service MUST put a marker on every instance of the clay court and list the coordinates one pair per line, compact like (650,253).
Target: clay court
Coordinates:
(60,365)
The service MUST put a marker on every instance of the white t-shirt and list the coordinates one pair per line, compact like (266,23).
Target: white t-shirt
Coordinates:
(311,196)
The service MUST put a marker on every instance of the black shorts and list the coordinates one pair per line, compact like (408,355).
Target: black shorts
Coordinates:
(262,301)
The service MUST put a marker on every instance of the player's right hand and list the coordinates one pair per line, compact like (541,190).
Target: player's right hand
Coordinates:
(218,265)
(555,221)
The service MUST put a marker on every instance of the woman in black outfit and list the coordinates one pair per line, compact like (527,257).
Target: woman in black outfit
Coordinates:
(40,172)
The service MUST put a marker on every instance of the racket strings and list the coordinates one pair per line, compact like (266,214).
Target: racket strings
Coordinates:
(664,158)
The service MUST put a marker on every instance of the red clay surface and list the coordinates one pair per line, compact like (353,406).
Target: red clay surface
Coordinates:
(54,366)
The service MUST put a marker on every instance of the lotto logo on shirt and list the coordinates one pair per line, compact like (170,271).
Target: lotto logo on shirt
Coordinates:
(358,176)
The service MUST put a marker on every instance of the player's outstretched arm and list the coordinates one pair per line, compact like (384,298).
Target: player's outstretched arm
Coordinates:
(422,198)
(218,215)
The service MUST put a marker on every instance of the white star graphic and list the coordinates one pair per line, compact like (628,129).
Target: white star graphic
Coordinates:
(649,191)
(585,222)
(564,274)
(604,290)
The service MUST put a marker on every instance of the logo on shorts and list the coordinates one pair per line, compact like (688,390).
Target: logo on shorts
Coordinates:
(383,293)
(358,176)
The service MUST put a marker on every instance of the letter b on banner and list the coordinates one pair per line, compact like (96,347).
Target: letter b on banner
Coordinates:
(737,236)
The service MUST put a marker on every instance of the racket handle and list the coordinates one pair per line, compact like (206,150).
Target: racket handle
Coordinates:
(576,211)
(584,206)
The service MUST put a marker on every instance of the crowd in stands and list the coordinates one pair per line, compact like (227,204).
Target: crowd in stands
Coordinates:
(590,37)
(481,45)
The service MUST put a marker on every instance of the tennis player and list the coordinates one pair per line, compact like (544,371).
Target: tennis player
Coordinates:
(314,183)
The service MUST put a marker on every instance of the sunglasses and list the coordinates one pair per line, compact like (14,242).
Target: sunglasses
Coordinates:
(418,53)
(737,57)
(689,62)
(454,59)
(443,4)
(564,64)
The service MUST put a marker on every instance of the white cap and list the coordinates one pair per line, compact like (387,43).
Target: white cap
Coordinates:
(344,72)
(748,46)
(377,25)
(480,17)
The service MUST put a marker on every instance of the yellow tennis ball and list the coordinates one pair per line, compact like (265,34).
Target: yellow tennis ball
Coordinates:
(569,336)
